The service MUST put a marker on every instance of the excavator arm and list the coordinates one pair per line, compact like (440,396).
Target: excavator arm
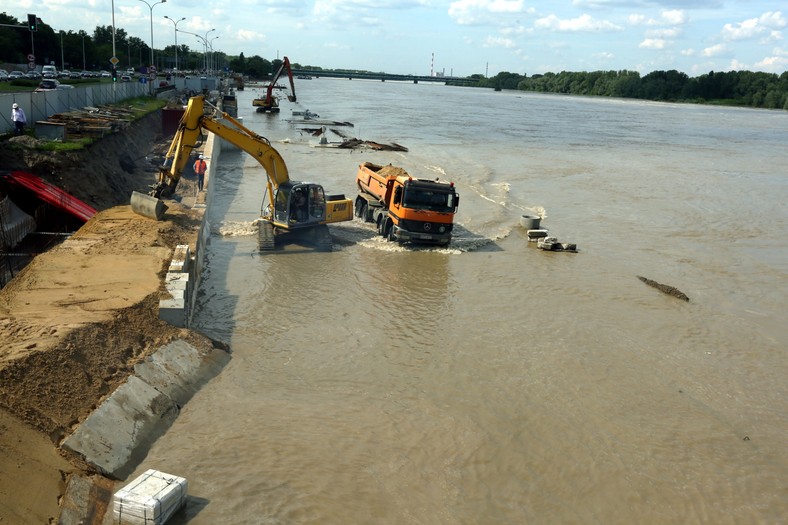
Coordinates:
(188,135)
(284,67)
(291,206)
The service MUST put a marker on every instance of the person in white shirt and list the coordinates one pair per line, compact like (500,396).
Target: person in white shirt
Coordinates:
(18,116)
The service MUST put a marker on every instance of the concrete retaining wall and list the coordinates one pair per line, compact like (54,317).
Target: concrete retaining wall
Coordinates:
(118,434)
(185,271)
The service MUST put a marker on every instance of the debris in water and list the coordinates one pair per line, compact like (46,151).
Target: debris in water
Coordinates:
(664,288)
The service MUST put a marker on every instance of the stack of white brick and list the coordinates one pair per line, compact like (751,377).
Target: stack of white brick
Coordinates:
(175,310)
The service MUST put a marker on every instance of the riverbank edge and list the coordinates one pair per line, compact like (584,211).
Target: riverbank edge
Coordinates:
(88,497)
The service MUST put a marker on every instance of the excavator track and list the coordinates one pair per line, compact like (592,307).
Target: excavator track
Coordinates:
(265,236)
(322,239)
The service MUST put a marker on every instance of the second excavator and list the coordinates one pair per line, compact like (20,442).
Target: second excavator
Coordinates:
(291,211)
(271,103)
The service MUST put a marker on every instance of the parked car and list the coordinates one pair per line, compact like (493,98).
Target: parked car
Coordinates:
(125,78)
(85,74)
(64,73)
(15,74)
(75,74)
(105,74)
(49,72)
(3,75)
(33,75)
(48,84)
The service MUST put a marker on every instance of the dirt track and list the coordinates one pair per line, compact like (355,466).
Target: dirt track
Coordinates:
(76,320)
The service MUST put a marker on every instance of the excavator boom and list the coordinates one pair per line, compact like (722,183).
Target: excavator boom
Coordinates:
(291,205)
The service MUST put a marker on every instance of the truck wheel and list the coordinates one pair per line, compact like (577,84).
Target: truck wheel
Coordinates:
(361,210)
(388,232)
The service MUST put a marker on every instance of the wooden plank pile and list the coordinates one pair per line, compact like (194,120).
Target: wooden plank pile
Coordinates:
(92,122)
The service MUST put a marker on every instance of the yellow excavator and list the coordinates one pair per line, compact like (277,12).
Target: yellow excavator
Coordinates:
(291,211)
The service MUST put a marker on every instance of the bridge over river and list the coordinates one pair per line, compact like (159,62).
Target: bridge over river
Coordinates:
(383,77)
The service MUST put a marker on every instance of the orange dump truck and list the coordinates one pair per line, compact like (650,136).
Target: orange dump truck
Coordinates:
(406,209)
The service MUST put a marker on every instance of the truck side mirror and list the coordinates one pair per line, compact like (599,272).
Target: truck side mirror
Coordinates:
(398,195)
(456,201)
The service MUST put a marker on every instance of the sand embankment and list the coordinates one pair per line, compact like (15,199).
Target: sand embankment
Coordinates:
(76,320)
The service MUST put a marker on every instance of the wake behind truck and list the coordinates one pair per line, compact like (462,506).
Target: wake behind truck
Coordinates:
(403,208)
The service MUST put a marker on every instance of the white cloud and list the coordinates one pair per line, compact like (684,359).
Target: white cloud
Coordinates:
(581,23)
(467,12)
(754,27)
(492,41)
(245,35)
(674,17)
(652,43)
(688,52)
(714,51)
(666,18)
(664,33)
(775,64)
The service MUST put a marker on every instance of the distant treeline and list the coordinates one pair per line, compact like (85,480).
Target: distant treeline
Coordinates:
(739,88)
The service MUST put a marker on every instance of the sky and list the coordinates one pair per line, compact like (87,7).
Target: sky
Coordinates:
(455,38)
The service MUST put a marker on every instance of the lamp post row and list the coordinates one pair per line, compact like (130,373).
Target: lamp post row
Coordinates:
(207,44)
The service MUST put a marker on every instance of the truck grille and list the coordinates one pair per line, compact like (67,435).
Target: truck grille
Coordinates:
(435,228)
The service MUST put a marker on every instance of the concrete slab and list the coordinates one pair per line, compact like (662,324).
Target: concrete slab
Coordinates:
(116,436)
(86,500)
(178,370)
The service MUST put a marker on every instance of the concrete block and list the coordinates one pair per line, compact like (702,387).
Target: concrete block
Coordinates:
(180,259)
(535,235)
(176,277)
(173,311)
(118,434)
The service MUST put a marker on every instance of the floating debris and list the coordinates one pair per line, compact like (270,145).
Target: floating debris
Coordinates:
(358,143)
(551,244)
(664,288)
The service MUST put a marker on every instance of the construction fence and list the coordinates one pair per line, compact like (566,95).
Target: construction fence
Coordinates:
(38,106)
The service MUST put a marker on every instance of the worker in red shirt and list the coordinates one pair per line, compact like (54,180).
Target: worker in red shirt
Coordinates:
(199,168)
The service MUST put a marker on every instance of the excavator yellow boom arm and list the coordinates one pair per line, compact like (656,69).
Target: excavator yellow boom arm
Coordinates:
(190,129)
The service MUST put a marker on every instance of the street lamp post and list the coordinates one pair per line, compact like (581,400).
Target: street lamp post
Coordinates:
(206,49)
(210,45)
(83,51)
(204,43)
(151,24)
(176,37)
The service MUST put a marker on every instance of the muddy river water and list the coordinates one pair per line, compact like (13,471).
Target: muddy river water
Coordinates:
(492,382)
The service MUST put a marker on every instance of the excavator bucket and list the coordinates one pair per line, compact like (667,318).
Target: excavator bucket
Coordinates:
(147,206)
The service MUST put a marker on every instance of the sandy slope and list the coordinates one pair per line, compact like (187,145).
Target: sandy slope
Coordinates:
(76,320)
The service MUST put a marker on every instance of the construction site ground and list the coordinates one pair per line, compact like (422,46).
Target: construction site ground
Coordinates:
(75,321)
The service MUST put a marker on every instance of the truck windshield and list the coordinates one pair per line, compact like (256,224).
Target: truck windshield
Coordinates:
(419,198)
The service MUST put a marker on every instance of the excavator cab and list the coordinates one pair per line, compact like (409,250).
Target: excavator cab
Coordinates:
(299,205)
(299,216)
